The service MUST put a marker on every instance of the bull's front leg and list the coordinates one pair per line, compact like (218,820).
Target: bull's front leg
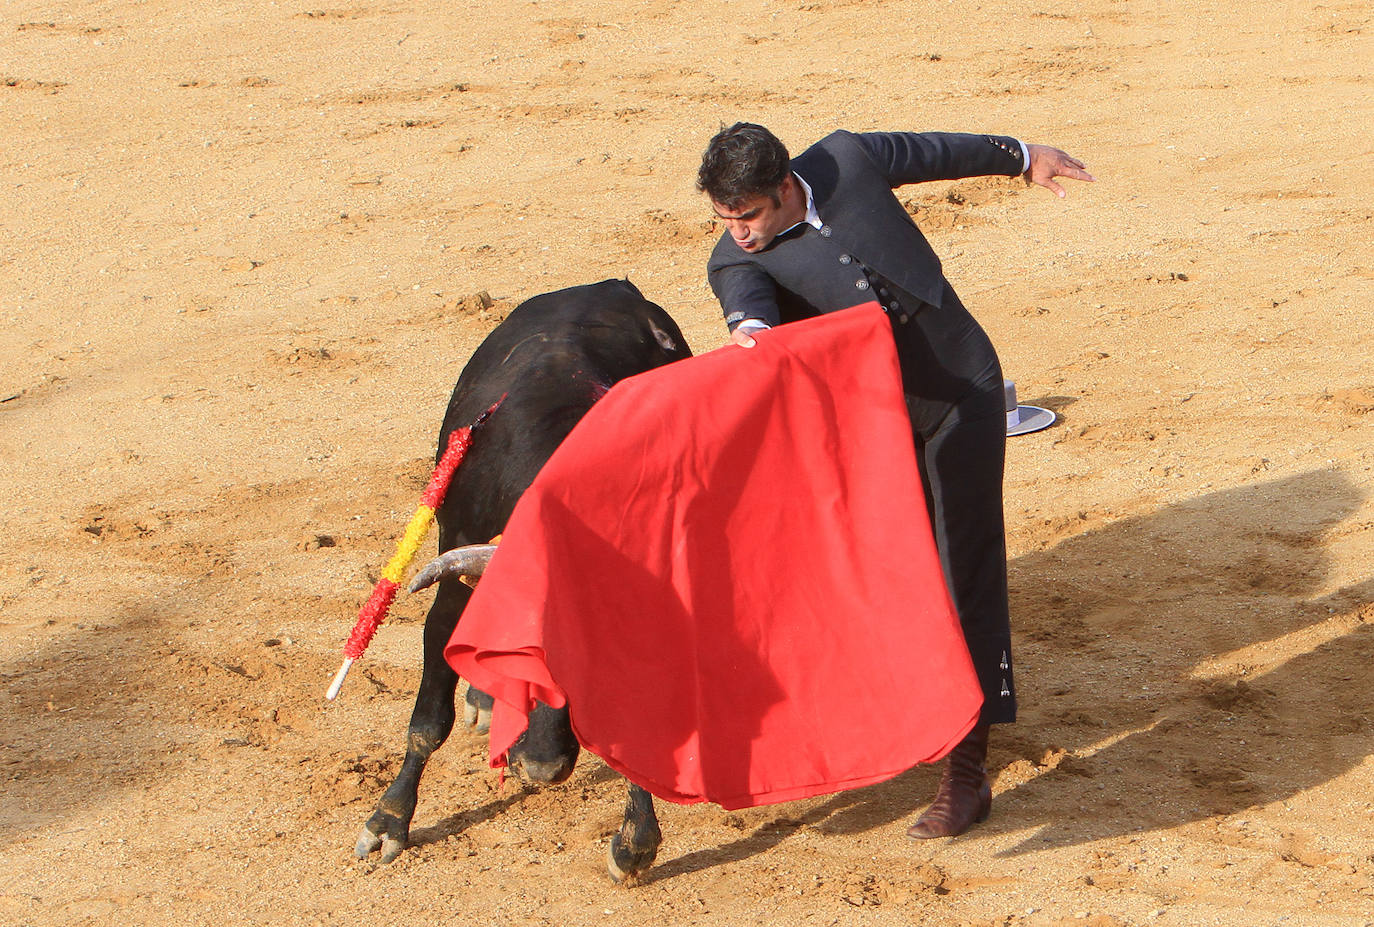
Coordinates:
(431,721)
(635,846)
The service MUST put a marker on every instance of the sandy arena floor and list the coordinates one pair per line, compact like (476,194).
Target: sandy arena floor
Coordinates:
(243,248)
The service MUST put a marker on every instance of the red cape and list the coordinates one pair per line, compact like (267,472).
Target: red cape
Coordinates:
(727,570)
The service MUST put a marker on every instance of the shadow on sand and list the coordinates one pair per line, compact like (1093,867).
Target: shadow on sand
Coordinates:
(1175,666)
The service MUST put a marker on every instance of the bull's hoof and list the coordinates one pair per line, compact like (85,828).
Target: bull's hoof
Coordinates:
(477,711)
(382,832)
(627,858)
(623,863)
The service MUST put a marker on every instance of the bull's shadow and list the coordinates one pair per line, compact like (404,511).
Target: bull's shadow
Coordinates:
(1132,656)
(66,742)
(75,718)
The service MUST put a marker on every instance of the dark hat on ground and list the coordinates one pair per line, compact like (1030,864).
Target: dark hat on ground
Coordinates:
(1022,420)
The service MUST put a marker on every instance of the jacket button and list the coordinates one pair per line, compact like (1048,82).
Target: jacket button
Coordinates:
(861,284)
(846,259)
(825,231)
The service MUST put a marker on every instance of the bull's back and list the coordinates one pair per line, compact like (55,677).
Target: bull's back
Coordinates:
(552,358)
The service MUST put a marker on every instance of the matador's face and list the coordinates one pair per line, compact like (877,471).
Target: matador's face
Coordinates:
(757,220)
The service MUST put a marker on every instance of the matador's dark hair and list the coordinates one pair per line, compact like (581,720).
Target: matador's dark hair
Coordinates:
(743,161)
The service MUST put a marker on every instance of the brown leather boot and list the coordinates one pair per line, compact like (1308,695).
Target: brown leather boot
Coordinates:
(964,796)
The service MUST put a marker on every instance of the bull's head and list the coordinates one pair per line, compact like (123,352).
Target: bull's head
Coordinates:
(547,751)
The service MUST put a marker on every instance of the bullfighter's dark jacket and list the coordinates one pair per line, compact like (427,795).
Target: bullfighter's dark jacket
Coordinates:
(868,237)
(868,249)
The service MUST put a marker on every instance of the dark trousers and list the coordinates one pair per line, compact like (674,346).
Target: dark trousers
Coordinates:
(953,385)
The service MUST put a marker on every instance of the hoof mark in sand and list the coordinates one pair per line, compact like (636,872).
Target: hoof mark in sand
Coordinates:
(24,83)
(324,15)
(418,95)
(52,28)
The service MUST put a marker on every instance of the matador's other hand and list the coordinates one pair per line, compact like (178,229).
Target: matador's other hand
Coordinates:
(1047,163)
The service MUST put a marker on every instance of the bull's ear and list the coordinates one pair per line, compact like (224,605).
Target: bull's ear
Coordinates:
(665,340)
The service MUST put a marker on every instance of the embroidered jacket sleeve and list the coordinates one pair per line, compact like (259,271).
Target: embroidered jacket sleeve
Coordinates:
(916,157)
(747,285)
(744,289)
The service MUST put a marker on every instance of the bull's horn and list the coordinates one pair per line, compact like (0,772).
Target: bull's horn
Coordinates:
(471,561)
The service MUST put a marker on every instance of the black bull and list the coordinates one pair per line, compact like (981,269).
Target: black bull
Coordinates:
(552,358)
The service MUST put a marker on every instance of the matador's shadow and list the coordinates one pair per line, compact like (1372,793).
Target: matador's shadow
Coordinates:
(1189,663)
(1154,687)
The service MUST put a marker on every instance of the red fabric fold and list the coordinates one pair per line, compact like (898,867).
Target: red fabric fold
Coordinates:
(727,570)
